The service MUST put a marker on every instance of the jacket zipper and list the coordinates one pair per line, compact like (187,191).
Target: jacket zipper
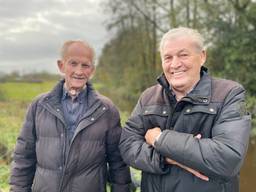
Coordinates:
(70,145)
(57,115)
(64,162)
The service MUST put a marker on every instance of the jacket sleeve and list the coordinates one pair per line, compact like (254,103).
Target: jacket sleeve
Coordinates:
(221,156)
(24,156)
(134,149)
(118,171)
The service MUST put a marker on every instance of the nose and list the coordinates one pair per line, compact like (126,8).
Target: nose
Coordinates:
(79,70)
(175,62)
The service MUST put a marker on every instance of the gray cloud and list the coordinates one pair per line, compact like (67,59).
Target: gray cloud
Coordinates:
(32,32)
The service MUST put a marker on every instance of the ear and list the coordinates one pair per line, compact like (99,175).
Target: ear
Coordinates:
(92,72)
(60,66)
(203,57)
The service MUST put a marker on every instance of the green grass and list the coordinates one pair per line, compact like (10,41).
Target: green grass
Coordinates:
(24,92)
(4,175)
(11,117)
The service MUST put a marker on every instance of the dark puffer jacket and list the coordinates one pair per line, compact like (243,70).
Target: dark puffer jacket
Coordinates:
(44,161)
(215,109)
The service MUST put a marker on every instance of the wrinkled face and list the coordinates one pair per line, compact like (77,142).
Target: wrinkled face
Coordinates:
(77,66)
(181,62)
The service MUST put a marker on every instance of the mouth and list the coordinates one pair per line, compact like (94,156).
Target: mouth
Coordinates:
(79,78)
(177,72)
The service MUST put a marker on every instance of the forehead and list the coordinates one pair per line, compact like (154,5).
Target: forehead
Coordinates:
(78,50)
(174,45)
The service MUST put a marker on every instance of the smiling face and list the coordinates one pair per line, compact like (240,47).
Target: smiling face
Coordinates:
(181,62)
(76,65)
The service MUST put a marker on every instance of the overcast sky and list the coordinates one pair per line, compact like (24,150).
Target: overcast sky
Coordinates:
(32,31)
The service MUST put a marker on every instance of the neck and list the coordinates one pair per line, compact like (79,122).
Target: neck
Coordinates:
(181,92)
(73,92)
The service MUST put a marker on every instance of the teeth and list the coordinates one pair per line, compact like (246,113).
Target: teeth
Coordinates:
(177,72)
(78,78)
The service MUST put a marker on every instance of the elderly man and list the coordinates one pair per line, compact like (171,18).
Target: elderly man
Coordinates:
(189,132)
(69,141)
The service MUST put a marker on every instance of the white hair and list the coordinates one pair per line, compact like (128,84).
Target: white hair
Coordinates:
(183,32)
(68,43)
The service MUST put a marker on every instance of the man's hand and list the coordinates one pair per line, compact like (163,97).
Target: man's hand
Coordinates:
(151,135)
(194,172)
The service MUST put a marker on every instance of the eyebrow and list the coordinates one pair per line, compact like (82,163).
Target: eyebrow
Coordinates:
(179,51)
(183,50)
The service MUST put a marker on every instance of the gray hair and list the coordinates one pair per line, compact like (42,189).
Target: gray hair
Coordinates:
(183,32)
(67,44)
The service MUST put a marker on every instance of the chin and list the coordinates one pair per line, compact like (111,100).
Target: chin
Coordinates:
(178,86)
(80,86)
(178,83)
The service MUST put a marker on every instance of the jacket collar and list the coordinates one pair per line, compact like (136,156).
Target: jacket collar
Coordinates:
(54,97)
(52,100)
(201,92)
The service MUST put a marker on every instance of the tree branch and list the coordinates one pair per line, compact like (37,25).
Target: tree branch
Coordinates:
(147,17)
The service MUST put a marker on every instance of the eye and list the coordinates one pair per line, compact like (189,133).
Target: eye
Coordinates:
(167,58)
(86,66)
(73,63)
(183,55)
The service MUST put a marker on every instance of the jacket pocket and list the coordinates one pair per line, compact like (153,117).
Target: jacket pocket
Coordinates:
(189,182)
(155,116)
(199,119)
(201,109)
(45,180)
(159,110)
(36,182)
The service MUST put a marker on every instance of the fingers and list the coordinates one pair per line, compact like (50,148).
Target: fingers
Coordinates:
(170,161)
(198,136)
(151,135)
(194,172)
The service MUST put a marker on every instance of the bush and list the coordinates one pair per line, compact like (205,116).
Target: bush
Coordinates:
(251,107)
